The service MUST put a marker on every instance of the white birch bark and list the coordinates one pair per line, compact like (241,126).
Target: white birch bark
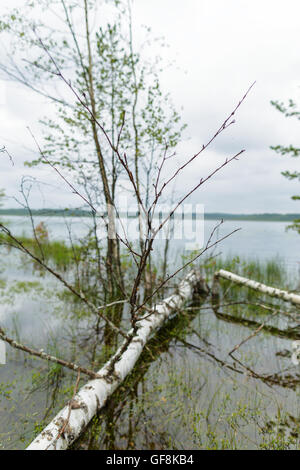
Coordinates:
(272,291)
(93,396)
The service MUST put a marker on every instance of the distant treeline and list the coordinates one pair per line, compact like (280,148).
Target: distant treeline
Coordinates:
(208,216)
(47,212)
(259,217)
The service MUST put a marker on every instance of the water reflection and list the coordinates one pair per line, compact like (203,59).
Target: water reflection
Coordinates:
(186,391)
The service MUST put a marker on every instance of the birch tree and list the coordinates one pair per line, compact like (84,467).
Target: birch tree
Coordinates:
(114,81)
(99,89)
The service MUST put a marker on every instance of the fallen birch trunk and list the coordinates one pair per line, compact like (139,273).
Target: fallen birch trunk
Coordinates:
(272,291)
(93,396)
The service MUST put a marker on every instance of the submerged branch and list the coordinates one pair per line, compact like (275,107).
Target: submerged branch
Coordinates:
(258,286)
(42,355)
(95,393)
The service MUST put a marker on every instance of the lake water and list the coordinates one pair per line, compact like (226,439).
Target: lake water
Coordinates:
(260,240)
(186,392)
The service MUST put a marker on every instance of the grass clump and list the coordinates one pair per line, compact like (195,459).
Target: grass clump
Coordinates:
(57,252)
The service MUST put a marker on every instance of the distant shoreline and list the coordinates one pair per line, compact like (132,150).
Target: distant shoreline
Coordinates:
(253,217)
(266,217)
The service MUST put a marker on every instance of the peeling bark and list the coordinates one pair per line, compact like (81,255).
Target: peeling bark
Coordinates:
(272,291)
(93,396)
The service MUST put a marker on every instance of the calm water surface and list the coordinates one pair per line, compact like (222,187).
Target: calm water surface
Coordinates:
(262,240)
(187,393)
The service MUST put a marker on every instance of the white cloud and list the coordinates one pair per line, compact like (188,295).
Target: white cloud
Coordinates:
(220,48)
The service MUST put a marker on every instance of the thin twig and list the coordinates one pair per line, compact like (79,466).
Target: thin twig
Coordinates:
(47,357)
(74,190)
(66,423)
(80,295)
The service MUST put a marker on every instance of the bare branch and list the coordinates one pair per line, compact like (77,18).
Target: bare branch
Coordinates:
(47,357)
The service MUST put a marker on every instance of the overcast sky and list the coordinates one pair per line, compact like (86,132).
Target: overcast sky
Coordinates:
(220,48)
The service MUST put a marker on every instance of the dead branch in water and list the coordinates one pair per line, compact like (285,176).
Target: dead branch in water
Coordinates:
(94,394)
(47,357)
(259,287)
